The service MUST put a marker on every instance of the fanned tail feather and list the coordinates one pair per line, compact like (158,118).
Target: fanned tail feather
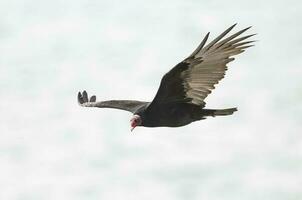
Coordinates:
(219,112)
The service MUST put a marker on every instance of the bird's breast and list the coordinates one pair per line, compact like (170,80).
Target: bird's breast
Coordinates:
(171,115)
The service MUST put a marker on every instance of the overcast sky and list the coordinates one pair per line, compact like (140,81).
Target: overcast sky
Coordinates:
(50,148)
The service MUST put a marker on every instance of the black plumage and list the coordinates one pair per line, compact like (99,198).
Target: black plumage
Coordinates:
(180,97)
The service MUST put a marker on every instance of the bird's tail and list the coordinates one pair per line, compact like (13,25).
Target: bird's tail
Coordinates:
(219,112)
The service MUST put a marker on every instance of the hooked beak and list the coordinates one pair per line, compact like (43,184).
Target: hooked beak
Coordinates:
(135,121)
(133,125)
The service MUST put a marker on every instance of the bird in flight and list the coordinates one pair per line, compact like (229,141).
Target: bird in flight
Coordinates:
(182,91)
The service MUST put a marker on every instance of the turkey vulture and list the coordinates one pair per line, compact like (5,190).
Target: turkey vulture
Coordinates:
(180,97)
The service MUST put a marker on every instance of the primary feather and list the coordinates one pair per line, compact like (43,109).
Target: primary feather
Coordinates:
(127,105)
(194,78)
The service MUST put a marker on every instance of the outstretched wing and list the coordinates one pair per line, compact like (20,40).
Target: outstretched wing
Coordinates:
(128,105)
(193,79)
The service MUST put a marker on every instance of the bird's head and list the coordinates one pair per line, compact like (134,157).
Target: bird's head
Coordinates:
(135,121)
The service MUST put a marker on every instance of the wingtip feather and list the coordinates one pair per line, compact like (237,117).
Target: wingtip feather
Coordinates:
(234,25)
(92,98)
(80,98)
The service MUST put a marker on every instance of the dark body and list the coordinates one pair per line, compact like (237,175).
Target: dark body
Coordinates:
(180,99)
(170,114)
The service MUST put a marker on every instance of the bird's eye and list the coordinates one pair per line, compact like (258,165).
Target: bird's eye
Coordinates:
(135,121)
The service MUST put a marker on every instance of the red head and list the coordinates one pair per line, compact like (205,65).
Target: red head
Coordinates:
(135,121)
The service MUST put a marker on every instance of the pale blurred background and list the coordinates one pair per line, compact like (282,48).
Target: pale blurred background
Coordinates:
(52,149)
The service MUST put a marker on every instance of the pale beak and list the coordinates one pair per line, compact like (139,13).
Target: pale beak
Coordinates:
(135,121)
(133,125)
